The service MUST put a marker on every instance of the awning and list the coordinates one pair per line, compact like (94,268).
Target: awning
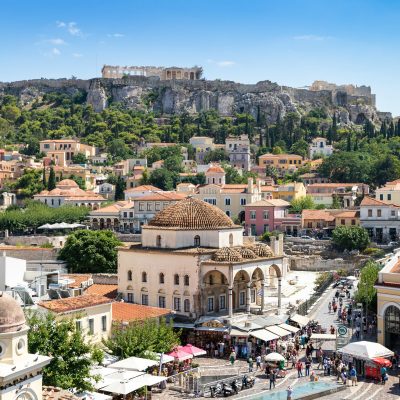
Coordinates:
(134,364)
(156,356)
(237,332)
(263,334)
(300,319)
(365,350)
(323,336)
(183,325)
(289,328)
(208,329)
(129,386)
(275,329)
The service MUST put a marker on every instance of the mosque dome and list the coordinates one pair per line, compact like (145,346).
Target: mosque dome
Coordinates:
(247,252)
(227,254)
(191,213)
(12,317)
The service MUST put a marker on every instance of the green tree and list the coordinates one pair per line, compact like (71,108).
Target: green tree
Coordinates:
(163,179)
(78,180)
(88,251)
(350,238)
(79,158)
(271,171)
(386,168)
(302,203)
(51,184)
(139,338)
(72,355)
(366,293)
(119,188)
(217,155)
(44,181)
(300,147)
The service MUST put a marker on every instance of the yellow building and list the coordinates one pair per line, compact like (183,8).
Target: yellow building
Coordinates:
(347,218)
(389,193)
(282,162)
(289,191)
(388,310)
(67,171)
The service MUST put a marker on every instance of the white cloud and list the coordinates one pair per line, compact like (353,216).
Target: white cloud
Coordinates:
(77,55)
(55,51)
(56,41)
(116,35)
(71,27)
(222,63)
(311,38)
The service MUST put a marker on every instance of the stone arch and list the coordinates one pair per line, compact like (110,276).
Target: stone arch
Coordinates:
(274,274)
(214,286)
(257,281)
(217,278)
(391,326)
(129,287)
(241,281)
(241,216)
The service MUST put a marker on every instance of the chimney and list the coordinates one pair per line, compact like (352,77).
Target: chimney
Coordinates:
(250,185)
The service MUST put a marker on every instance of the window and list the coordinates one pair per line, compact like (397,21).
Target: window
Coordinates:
(130,297)
(253,295)
(158,206)
(210,304)
(177,303)
(252,215)
(389,197)
(186,280)
(353,221)
(78,325)
(242,298)
(342,222)
(141,207)
(91,326)
(197,241)
(369,213)
(145,299)
(266,228)
(379,213)
(230,239)
(253,229)
(266,215)
(228,213)
(129,275)
(176,279)
(242,202)
(227,201)
(148,206)
(381,197)
(144,276)
(211,201)
(393,213)
(161,301)
(104,323)
(158,241)
(186,305)
(222,302)
(161,278)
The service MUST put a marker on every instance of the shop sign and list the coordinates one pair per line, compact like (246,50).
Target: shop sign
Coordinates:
(342,330)
(213,324)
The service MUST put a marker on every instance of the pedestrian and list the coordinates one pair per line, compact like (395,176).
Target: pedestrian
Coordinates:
(293,361)
(344,376)
(329,307)
(258,362)
(325,366)
(328,367)
(358,330)
(353,376)
(384,376)
(308,365)
(332,330)
(299,367)
(320,358)
(250,362)
(212,349)
(289,391)
(232,357)
(272,378)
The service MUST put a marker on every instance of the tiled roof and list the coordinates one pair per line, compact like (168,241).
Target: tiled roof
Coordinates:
(318,215)
(112,208)
(134,312)
(78,279)
(333,185)
(109,291)
(269,203)
(162,196)
(191,213)
(74,303)
(267,188)
(144,188)
(279,156)
(348,214)
(215,169)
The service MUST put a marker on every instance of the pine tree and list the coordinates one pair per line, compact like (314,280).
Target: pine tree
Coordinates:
(398,127)
(119,189)
(391,130)
(51,184)
(334,128)
(44,180)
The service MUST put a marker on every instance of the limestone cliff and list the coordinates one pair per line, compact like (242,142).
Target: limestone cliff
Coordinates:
(226,97)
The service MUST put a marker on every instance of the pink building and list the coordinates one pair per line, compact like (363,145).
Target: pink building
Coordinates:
(270,215)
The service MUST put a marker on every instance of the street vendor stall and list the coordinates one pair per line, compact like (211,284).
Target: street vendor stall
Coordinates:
(373,367)
(300,320)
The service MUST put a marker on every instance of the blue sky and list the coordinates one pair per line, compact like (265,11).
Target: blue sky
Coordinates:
(290,42)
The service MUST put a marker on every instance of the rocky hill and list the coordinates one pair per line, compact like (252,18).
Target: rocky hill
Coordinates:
(226,97)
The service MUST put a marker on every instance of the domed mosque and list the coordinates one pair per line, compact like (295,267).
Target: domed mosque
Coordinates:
(20,372)
(192,259)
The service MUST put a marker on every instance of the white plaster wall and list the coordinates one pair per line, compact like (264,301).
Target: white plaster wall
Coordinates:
(12,271)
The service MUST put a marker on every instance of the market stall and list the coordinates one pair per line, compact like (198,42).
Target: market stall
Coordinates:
(134,364)
(373,367)
(300,320)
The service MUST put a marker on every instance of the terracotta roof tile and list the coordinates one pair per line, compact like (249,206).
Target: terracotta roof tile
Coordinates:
(55,393)
(369,201)
(74,303)
(144,188)
(109,291)
(133,312)
(348,214)
(77,279)
(318,215)
(161,196)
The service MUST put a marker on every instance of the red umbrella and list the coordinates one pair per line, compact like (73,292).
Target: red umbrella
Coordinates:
(382,362)
(195,351)
(180,355)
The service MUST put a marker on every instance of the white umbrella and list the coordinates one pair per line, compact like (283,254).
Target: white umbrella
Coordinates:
(45,226)
(366,350)
(129,386)
(351,278)
(274,357)
(134,363)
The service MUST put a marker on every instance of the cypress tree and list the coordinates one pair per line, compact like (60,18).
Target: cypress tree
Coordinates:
(334,128)
(391,130)
(383,130)
(119,189)
(52,180)
(44,181)
(398,127)
(348,146)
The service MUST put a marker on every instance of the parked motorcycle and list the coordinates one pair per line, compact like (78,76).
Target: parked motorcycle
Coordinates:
(235,387)
(247,382)
(227,390)
(216,390)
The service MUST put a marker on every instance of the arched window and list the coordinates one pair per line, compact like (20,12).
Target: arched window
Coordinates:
(176,279)
(392,325)
(161,278)
(197,241)
(186,305)
(129,275)
(211,280)
(144,276)
(186,280)
(230,239)
(158,241)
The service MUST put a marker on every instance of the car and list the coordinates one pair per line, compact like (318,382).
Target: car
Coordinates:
(307,237)
(393,244)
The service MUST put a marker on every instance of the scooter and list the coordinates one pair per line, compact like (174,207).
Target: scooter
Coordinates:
(227,390)
(235,387)
(247,382)
(216,390)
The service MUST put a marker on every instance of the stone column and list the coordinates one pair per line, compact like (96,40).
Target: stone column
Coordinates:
(248,298)
(263,290)
(279,293)
(230,301)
